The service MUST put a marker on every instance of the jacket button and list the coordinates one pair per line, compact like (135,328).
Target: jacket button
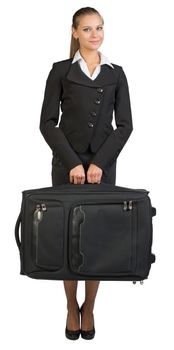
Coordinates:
(99,89)
(90,125)
(97,101)
(93,114)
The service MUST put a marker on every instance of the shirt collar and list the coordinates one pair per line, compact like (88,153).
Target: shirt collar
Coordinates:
(104,59)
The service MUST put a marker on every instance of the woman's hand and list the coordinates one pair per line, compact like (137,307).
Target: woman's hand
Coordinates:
(94,174)
(77,174)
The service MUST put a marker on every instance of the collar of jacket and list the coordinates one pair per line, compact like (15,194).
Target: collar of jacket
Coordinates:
(103,59)
(106,76)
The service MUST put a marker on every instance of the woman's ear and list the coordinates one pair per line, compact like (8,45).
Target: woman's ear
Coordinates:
(74,34)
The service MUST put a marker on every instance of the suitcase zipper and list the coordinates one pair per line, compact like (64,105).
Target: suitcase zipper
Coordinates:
(126,205)
(41,208)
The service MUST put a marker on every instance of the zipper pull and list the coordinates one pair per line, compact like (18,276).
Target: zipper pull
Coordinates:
(38,214)
(127,205)
(43,206)
(130,205)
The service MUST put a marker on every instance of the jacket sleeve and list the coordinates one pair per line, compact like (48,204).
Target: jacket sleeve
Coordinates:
(49,117)
(112,146)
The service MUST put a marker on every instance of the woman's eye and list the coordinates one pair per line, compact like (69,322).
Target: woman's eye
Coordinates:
(88,29)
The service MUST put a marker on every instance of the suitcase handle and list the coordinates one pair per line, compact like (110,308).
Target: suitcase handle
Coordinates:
(18,222)
(153,258)
(153,211)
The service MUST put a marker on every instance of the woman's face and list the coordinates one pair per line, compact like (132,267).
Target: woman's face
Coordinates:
(89,32)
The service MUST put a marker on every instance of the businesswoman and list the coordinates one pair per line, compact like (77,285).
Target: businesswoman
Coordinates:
(85,147)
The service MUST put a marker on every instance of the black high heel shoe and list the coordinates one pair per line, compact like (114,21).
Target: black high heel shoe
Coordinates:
(72,335)
(87,334)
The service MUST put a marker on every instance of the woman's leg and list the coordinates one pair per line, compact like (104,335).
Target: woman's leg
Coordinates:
(73,321)
(91,288)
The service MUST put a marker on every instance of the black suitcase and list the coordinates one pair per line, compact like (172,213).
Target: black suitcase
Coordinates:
(85,232)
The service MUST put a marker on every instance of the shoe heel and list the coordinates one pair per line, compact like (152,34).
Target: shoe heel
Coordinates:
(88,335)
(72,335)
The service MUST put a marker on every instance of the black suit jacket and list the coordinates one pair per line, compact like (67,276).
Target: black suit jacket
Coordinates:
(87,108)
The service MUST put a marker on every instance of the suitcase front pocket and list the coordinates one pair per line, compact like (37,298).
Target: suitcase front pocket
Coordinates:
(47,235)
(103,238)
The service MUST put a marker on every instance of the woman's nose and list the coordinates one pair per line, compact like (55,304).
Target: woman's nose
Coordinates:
(94,33)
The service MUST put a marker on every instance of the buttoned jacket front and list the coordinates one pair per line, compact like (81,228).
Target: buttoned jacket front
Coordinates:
(87,108)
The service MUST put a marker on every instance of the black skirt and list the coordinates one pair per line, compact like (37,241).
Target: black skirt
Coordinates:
(60,175)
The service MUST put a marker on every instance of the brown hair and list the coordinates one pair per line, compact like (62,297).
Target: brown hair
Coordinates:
(74,46)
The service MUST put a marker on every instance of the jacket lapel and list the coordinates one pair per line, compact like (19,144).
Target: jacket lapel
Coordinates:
(105,77)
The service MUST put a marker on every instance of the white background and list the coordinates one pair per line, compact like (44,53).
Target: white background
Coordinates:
(138,36)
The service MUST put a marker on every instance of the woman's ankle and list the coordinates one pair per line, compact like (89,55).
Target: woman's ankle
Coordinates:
(88,306)
(72,305)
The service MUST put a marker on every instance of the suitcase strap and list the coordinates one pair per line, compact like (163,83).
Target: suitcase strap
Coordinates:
(18,222)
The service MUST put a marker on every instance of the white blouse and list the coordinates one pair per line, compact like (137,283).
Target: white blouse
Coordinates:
(84,67)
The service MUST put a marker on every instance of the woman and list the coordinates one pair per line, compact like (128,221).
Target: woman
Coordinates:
(85,146)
